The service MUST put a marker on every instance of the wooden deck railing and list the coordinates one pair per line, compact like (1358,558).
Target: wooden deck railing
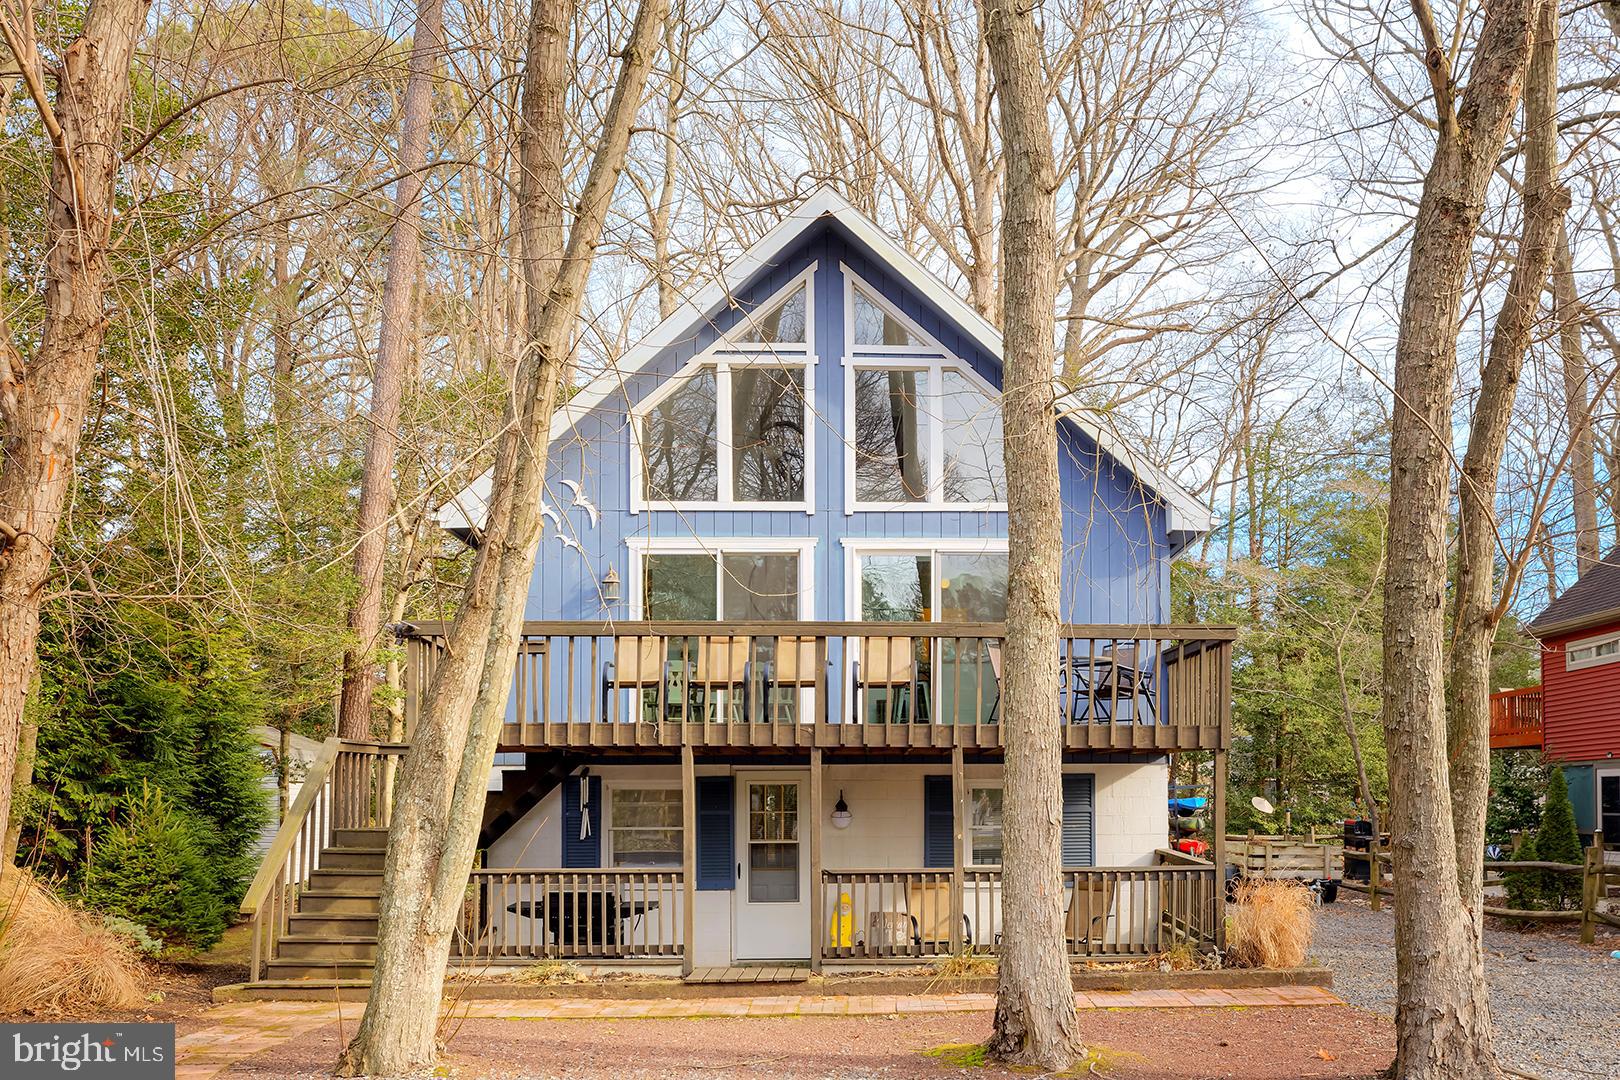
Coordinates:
(1516,718)
(349,785)
(617,914)
(804,684)
(1121,911)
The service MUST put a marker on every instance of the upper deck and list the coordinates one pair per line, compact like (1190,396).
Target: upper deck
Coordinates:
(836,685)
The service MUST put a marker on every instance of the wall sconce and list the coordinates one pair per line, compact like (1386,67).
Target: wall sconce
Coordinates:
(610,586)
(841,817)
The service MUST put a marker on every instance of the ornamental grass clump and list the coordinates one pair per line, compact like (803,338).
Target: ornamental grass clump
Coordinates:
(1270,925)
(56,959)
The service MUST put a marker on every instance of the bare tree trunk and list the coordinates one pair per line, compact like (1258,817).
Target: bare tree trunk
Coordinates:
(442,783)
(1475,610)
(1035,1020)
(22,775)
(1583,480)
(1443,1027)
(394,340)
(43,398)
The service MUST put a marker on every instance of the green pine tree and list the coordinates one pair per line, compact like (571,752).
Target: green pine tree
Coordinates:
(1558,841)
(1524,886)
(151,869)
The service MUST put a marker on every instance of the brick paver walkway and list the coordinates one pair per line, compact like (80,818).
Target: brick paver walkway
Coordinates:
(238,1031)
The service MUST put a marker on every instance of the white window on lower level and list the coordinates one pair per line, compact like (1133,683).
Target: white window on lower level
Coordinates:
(645,826)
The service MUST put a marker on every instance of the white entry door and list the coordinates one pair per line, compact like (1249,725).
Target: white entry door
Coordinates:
(772,902)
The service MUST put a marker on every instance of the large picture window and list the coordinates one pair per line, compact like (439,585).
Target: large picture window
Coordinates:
(731,586)
(728,433)
(928,435)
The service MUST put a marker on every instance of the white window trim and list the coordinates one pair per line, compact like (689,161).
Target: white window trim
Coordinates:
(724,355)
(855,547)
(640,546)
(853,281)
(608,788)
(932,358)
(1571,664)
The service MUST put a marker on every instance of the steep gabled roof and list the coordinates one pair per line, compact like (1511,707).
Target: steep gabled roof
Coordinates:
(1592,600)
(1186,513)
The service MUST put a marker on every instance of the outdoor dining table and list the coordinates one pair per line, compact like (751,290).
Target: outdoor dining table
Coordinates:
(584,916)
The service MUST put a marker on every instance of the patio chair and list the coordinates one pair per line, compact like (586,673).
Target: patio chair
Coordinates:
(888,664)
(1090,905)
(1129,678)
(929,905)
(720,675)
(637,665)
(793,668)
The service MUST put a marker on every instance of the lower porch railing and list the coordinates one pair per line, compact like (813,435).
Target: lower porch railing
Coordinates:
(895,914)
(617,914)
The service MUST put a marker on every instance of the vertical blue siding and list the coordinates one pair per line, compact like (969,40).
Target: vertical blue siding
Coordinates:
(1115,543)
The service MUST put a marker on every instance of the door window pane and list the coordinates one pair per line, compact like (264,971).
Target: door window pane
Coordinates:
(889,436)
(679,588)
(773,843)
(970,426)
(875,326)
(973,588)
(762,587)
(1609,808)
(678,443)
(767,431)
(984,826)
(896,588)
(782,325)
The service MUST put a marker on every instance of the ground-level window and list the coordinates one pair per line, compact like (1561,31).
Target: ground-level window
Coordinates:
(984,826)
(646,826)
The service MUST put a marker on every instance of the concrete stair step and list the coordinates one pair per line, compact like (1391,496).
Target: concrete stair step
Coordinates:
(330,925)
(334,902)
(370,839)
(281,968)
(347,858)
(328,948)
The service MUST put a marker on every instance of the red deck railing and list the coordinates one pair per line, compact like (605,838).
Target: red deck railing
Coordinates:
(1516,718)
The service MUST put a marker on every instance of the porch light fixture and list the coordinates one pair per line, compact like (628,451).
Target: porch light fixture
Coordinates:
(610,586)
(841,817)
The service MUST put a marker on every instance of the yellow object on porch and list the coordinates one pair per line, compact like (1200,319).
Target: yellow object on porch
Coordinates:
(841,934)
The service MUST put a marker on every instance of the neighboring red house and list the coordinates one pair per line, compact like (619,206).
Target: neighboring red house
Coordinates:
(1575,713)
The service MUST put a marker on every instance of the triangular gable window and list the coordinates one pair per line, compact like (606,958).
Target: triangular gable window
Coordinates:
(875,326)
(783,324)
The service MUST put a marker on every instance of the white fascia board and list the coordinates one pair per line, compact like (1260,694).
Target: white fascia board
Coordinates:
(1186,514)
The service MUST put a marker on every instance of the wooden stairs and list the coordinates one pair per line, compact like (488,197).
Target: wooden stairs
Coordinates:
(332,934)
(315,901)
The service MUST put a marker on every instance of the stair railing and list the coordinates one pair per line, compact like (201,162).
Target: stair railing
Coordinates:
(349,785)
(293,855)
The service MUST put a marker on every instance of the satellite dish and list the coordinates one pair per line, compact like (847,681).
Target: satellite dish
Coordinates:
(1260,804)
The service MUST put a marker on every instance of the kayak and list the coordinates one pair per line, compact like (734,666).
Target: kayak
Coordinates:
(1184,807)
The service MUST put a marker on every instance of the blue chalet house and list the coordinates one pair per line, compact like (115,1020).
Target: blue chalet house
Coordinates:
(754,726)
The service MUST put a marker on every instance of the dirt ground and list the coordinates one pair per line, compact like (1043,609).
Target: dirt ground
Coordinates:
(1135,1044)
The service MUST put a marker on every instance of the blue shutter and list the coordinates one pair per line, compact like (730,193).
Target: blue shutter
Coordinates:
(580,854)
(939,823)
(1079,820)
(716,863)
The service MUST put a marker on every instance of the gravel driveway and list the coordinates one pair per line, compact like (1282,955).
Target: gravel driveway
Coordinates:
(1556,1004)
